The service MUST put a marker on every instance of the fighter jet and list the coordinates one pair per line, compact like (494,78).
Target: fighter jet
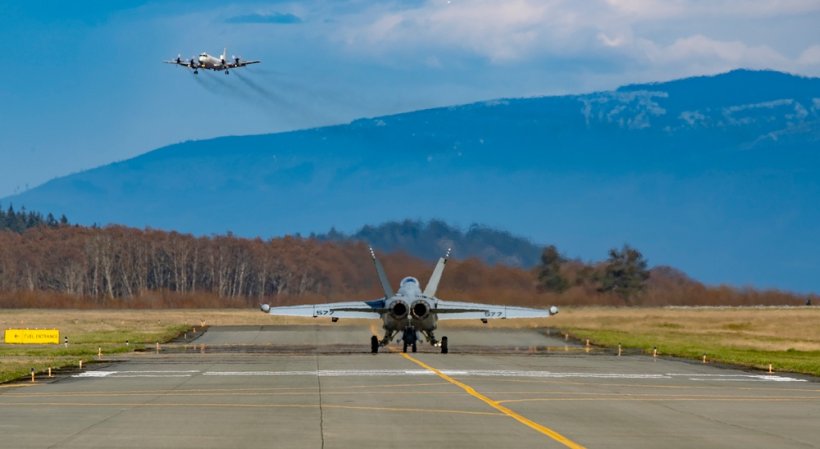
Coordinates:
(208,62)
(411,312)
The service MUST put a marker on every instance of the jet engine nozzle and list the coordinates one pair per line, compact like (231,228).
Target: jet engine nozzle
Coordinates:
(420,309)
(265,308)
(399,310)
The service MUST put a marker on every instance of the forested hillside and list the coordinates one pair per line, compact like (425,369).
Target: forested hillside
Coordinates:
(430,240)
(123,267)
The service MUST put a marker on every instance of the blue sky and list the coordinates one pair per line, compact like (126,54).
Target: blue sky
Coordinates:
(84,85)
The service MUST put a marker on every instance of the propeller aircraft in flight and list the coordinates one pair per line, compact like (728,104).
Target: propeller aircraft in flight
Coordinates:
(207,62)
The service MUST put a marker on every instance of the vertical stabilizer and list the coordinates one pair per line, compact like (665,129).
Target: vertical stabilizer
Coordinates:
(432,286)
(388,290)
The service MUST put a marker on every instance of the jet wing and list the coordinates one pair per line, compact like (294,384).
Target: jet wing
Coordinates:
(351,309)
(454,310)
(234,65)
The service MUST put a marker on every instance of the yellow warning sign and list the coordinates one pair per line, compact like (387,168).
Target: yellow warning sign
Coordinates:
(33,336)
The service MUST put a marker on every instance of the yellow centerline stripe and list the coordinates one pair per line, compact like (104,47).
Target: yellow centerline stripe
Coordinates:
(20,385)
(200,405)
(494,404)
(649,399)
(640,385)
(170,393)
(353,388)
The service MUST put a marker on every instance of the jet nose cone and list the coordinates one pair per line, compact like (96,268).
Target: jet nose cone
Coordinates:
(265,308)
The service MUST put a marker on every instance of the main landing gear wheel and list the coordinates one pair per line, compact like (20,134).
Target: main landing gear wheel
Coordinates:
(226,72)
(444,349)
(374,344)
(414,347)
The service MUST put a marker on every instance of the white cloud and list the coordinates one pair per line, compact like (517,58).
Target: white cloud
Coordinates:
(703,54)
(810,57)
(500,31)
(681,9)
(642,34)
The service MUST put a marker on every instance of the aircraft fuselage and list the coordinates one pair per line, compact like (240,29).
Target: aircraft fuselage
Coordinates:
(210,62)
(410,309)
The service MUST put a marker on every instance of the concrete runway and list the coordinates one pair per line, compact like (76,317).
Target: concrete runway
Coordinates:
(331,396)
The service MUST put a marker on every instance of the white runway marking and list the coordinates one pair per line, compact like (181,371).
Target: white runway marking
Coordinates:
(325,373)
(458,373)
(739,377)
(147,373)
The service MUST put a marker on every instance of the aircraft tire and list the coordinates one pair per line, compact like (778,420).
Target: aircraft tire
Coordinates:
(444,349)
(405,347)
(414,347)
(374,344)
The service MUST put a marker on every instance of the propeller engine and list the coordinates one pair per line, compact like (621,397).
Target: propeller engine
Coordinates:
(179,59)
(236,60)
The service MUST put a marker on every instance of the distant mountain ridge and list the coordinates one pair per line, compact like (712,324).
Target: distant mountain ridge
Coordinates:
(431,240)
(706,174)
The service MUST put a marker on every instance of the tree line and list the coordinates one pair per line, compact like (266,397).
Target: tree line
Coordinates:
(19,221)
(624,273)
(115,266)
(624,278)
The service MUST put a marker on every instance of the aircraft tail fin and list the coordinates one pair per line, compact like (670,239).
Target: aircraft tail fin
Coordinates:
(224,54)
(432,286)
(388,290)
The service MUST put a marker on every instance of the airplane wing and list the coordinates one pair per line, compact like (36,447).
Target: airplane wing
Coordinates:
(183,63)
(454,310)
(237,64)
(350,309)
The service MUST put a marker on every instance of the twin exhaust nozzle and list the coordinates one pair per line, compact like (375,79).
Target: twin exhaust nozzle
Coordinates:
(419,310)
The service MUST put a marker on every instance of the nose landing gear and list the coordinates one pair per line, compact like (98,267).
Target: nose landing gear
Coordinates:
(409,338)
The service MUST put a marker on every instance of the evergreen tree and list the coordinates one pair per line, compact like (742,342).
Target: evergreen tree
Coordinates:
(625,273)
(19,221)
(549,271)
